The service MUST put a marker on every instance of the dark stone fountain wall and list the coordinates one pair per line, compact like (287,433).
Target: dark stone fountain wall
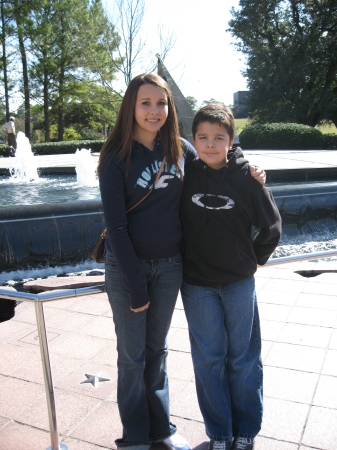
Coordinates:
(302,203)
(65,233)
(48,234)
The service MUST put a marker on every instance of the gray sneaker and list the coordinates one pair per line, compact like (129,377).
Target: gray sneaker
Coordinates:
(176,442)
(243,444)
(220,445)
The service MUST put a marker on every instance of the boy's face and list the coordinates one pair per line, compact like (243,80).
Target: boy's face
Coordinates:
(212,142)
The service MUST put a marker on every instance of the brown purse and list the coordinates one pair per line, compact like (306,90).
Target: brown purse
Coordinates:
(98,252)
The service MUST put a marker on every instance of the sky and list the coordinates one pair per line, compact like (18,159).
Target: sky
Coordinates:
(203,61)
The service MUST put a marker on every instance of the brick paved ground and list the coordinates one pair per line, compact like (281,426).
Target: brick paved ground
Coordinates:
(299,332)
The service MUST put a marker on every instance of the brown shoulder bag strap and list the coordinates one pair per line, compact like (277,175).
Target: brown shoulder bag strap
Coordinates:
(103,235)
(155,182)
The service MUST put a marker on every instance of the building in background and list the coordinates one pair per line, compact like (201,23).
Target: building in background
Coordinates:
(240,108)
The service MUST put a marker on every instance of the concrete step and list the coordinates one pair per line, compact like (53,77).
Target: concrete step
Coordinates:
(51,284)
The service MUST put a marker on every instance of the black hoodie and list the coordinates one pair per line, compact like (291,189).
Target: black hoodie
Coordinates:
(219,209)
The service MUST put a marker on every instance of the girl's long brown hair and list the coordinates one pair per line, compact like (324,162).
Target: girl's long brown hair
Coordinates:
(119,142)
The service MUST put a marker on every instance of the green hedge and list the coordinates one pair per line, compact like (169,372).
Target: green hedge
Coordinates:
(286,136)
(64,147)
(58,148)
(3,150)
(330,141)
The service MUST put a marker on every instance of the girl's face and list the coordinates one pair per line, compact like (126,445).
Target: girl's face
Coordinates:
(151,110)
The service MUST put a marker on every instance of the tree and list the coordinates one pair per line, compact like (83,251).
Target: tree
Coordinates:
(100,54)
(2,117)
(89,108)
(193,102)
(6,33)
(133,55)
(20,13)
(69,44)
(71,16)
(291,51)
(212,100)
(43,68)
(131,14)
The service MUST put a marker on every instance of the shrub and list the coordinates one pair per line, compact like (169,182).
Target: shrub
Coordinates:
(330,141)
(70,134)
(286,136)
(90,134)
(64,147)
(58,148)
(3,150)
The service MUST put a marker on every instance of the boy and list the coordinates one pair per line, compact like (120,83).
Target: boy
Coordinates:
(221,203)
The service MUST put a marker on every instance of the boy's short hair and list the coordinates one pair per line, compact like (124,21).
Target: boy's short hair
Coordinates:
(215,113)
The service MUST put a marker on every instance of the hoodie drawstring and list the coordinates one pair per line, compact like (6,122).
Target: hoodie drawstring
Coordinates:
(205,190)
(216,193)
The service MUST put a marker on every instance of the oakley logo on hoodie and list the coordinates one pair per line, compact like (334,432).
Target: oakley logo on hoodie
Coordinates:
(223,203)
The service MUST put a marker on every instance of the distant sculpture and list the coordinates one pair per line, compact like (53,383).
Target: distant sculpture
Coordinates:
(184,110)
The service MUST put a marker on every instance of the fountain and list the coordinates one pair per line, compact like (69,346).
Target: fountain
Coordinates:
(48,221)
(63,229)
(309,217)
(85,170)
(54,221)
(63,233)
(24,186)
(25,168)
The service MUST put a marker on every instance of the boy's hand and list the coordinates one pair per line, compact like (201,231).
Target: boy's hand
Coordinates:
(143,308)
(258,174)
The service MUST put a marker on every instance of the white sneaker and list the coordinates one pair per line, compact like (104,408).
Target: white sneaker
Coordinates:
(243,444)
(176,442)
(220,445)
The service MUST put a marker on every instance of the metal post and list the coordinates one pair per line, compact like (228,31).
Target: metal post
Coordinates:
(48,382)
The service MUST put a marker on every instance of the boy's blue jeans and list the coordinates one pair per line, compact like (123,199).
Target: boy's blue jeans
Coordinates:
(225,341)
(142,391)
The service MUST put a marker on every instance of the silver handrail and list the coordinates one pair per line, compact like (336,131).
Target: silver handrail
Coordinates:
(39,299)
(303,257)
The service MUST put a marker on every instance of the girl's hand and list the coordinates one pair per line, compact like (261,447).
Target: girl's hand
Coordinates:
(258,174)
(143,308)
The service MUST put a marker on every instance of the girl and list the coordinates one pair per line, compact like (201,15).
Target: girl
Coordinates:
(143,269)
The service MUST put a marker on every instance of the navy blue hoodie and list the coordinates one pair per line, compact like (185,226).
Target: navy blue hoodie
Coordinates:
(218,210)
(151,230)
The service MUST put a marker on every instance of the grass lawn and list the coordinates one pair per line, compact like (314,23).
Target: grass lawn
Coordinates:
(240,124)
(325,129)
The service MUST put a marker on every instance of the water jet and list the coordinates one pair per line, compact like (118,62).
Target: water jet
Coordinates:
(48,220)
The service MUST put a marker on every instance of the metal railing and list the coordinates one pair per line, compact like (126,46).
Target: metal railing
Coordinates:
(40,299)
(297,258)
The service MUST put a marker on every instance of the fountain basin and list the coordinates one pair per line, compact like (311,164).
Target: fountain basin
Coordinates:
(56,234)
(47,189)
(48,234)
(302,203)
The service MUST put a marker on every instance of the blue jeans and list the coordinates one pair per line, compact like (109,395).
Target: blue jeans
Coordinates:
(225,341)
(142,391)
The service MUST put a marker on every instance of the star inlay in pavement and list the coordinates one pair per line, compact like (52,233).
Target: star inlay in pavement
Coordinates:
(94,379)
